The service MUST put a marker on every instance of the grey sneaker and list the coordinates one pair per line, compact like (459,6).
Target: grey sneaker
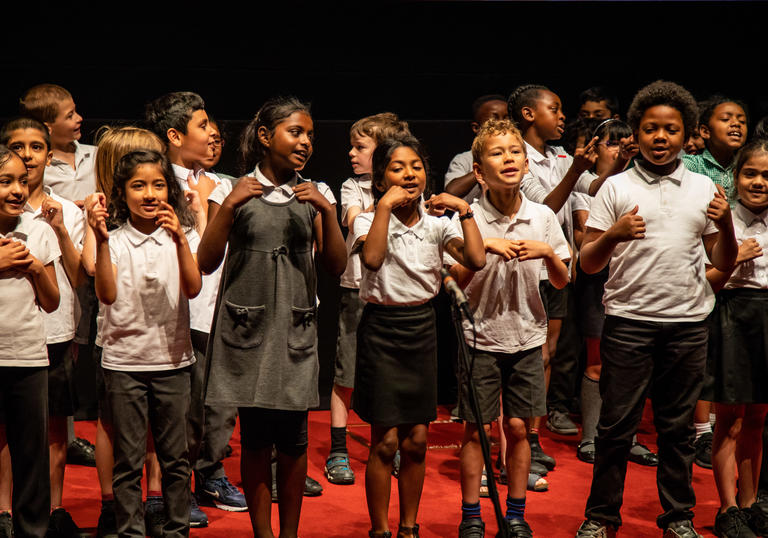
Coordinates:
(592,528)
(560,423)
(681,529)
(338,470)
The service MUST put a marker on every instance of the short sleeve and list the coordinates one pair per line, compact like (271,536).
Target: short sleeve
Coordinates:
(325,190)
(533,189)
(584,182)
(351,196)
(221,191)
(556,238)
(362,225)
(48,247)
(450,230)
(580,201)
(710,228)
(193,239)
(602,214)
(460,165)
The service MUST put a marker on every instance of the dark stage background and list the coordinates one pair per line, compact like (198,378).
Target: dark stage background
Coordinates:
(426,61)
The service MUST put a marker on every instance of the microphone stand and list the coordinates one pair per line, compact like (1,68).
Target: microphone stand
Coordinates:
(466,364)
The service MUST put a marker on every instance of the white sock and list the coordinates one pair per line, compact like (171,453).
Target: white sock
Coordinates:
(702,428)
(712,418)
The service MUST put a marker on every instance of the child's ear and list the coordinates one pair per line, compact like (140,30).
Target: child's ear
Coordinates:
(475,127)
(48,158)
(48,126)
(528,114)
(379,186)
(525,170)
(263,135)
(477,169)
(704,131)
(174,137)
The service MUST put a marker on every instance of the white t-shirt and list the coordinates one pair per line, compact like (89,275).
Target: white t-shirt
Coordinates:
(147,327)
(22,325)
(60,324)
(410,274)
(504,295)
(460,166)
(73,184)
(661,277)
(355,191)
(753,273)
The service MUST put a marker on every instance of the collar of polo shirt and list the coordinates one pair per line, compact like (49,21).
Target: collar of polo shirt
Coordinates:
(749,217)
(676,176)
(491,214)
(161,236)
(397,228)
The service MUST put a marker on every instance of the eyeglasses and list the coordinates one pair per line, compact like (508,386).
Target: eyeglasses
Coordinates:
(610,143)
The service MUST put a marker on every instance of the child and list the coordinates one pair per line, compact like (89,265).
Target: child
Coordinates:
(70,173)
(649,223)
(28,249)
(396,369)
(29,139)
(460,179)
(511,327)
(598,103)
(737,358)
(356,198)
(262,351)
(145,274)
(180,120)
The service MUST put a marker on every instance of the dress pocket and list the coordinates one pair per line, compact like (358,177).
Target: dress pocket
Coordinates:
(242,326)
(303,331)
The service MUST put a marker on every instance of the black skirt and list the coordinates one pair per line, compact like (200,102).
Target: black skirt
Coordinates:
(396,368)
(737,359)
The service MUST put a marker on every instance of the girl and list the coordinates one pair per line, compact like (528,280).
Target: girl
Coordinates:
(737,354)
(262,351)
(396,369)
(145,274)
(28,249)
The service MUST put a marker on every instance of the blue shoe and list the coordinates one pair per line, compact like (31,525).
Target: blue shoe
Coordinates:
(197,518)
(222,494)
(154,516)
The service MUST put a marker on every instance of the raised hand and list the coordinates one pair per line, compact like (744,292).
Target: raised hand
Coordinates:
(719,210)
(396,196)
(438,204)
(585,158)
(628,148)
(166,218)
(52,212)
(306,191)
(246,188)
(630,226)
(96,209)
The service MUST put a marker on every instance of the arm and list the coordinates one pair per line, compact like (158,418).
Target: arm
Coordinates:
(44,281)
(721,247)
(88,255)
(598,245)
(104,272)
(583,159)
(748,250)
(628,149)
(375,242)
(189,274)
(70,256)
(534,250)
(461,274)
(328,236)
(461,186)
(470,251)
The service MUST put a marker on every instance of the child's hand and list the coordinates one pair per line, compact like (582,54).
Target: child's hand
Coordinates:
(505,248)
(14,255)
(628,148)
(51,210)
(437,205)
(528,249)
(719,210)
(31,265)
(586,157)
(204,186)
(193,201)
(248,187)
(749,250)
(166,218)
(630,226)
(306,191)
(96,208)
(395,196)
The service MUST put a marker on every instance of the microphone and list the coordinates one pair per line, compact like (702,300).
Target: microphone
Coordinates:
(458,295)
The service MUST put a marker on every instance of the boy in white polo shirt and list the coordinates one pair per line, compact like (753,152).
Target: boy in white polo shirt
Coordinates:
(649,223)
(521,237)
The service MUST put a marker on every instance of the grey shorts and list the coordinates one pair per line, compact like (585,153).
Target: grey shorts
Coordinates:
(350,311)
(518,378)
(555,300)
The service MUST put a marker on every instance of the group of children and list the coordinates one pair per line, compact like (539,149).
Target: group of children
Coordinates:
(207,305)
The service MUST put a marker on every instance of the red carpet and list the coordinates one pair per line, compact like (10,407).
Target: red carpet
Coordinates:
(341,510)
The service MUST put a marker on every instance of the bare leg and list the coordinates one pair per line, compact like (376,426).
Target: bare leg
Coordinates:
(727,429)
(471,462)
(413,452)
(749,453)
(256,471)
(384,443)
(6,476)
(340,401)
(104,457)
(152,466)
(518,456)
(291,474)
(57,450)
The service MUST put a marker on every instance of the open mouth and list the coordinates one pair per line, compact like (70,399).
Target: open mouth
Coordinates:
(303,155)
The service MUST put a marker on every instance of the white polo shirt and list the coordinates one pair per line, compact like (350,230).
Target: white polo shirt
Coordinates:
(504,295)
(73,184)
(461,165)
(60,324)
(661,277)
(355,191)
(147,327)
(22,325)
(410,274)
(753,273)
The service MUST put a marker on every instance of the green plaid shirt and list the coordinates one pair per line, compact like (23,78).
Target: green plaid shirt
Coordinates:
(706,164)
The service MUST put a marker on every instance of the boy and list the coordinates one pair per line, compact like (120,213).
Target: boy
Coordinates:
(356,198)
(29,139)
(511,326)
(597,102)
(648,224)
(180,120)
(460,179)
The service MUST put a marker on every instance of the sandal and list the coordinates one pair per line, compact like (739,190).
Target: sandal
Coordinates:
(412,531)
(537,483)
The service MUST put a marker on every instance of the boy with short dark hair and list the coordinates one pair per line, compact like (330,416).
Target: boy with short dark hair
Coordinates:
(648,225)
(599,103)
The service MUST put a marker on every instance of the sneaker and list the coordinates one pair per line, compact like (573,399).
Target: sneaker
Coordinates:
(154,516)
(472,528)
(197,518)
(560,423)
(538,468)
(337,469)
(81,452)
(312,487)
(222,494)
(592,528)
(641,454)
(61,525)
(681,529)
(758,518)
(733,523)
(6,525)
(396,465)
(703,447)
(518,528)
(537,453)
(107,525)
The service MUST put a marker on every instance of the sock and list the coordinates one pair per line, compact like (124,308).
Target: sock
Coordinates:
(153,493)
(515,508)
(636,449)
(590,408)
(338,440)
(712,418)
(702,428)
(470,511)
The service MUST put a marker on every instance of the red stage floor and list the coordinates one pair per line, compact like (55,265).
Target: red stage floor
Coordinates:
(341,510)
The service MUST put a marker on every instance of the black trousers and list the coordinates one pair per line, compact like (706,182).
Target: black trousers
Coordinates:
(210,428)
(667,361)
(564,373)
(24,394)
(162,399)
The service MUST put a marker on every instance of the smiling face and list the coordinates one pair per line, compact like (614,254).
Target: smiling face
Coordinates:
(14,190)
(726,128)
(65,129)
(752,182)
(548,118)
(29,144)
(405,169)
(660,135)
(503,162)
(361,153)
(144,191)
(290,144)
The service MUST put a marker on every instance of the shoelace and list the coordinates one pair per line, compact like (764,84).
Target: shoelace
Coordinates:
(226,485)
(340,460)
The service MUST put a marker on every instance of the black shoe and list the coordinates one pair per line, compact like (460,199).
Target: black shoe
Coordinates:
(592,528)
(538,468)
(646,457)
(703,446)
(81,452)
(518,528)
(559,422)
(6,525)
(472,528)
(154,517)
(107,526)
(338,470)
(733,523)
(413,531)
(681,529)
(312,487)
(228,451)
(380,534)
(586,452)
(197,518)
(61,525)
(537,453)
(758,518)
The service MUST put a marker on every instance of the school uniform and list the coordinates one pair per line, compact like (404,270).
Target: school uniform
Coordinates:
(73,183)
(510,321)
(706,164)
(654,340)
(396,369)
(461,165)
(24,381)
(146,357)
